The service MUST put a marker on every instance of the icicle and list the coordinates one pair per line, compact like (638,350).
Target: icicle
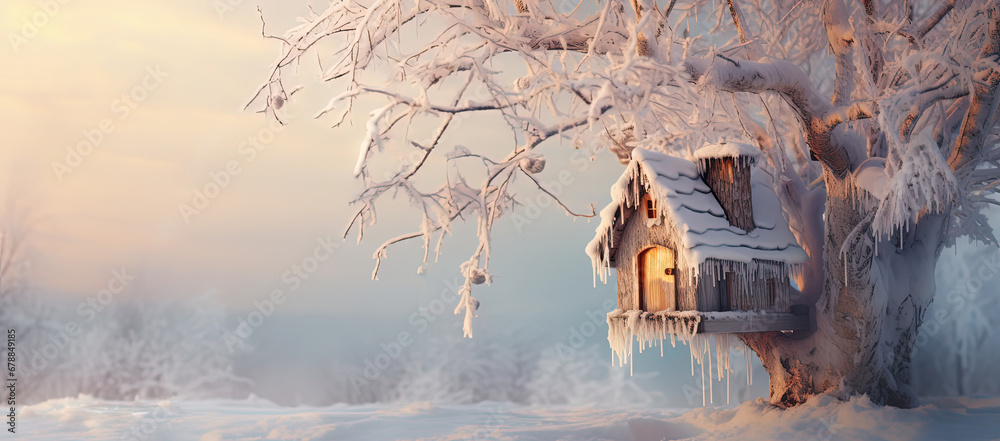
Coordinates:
(718,356)
(671,335)
(700,363)
(649,330)
(746,366)
(708,350)
(845,268)
(728,350)
(692,361)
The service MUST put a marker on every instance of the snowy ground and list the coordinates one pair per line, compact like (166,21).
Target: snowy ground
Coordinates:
(823,418)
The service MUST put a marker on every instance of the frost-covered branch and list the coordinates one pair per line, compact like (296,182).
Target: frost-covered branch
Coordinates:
(840,34)
(791,83)
(945,90)
(847,87)
(981,114)
(380,252)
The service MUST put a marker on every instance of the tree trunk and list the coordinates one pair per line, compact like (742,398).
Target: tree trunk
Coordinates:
(873,300)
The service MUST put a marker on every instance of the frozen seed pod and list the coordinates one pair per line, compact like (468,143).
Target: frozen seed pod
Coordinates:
(533,164)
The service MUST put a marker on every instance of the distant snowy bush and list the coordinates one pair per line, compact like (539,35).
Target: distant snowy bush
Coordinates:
(135,350)
(498,368)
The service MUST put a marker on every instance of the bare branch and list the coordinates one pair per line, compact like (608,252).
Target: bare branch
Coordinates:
(556,198)
(670,8)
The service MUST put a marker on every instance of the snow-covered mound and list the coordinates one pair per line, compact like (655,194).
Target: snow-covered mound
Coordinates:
(727,150)
(822,418)
(827,418)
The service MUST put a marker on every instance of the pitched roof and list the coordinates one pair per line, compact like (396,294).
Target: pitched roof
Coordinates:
(688,202)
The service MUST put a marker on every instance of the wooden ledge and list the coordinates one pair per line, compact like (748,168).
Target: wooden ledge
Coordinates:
(730,322)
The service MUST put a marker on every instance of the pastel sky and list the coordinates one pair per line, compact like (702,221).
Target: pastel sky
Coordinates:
(166,82)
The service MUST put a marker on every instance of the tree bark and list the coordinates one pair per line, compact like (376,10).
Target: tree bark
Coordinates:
(874,289)
(867,316)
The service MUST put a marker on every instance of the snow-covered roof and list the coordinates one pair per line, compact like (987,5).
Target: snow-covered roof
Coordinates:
(727,150)
(687,202)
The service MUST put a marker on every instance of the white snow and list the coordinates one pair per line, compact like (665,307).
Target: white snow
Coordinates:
(923,183)
(821,418)
(690,207)
(871,176)
(727,150)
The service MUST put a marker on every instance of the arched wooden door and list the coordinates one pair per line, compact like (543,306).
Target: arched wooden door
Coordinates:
(657,290)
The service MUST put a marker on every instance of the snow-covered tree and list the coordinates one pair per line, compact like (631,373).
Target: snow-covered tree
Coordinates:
(877,119)
(145,349)
(508,367)
(14,260)
(157,349)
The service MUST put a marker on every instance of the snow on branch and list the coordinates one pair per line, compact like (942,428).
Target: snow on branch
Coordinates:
(923,184)
(792,84)
(922,28)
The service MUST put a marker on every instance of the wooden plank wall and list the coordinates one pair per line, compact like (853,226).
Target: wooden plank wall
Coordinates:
(769,322)
(745,288)
(636,237)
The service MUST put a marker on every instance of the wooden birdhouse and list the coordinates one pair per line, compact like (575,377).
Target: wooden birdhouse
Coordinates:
(698,247)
